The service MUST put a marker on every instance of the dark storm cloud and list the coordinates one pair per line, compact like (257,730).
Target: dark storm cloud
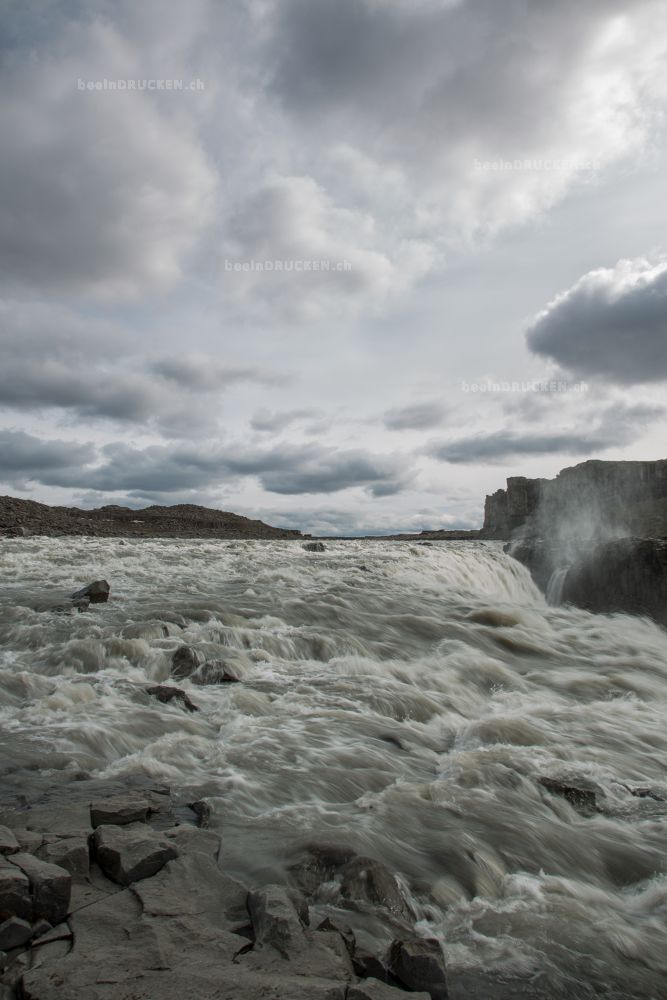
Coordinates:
(617,426)
(24,458)
(56,359)
(419,416)
(612,324)
(164,469)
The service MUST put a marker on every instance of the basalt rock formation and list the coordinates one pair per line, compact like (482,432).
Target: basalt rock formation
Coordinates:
(627,497)
(595,536)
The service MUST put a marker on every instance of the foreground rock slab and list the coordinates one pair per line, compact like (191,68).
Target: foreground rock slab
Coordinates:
(128,854)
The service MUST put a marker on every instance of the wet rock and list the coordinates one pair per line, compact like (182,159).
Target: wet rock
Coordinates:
(314,547)
(14,933)
(50,887)
(97,592)
(275,919)
(29,840)
(185,661)
(149,631)
(70,853)
(119,811)
(419,965)
(40,928)
(364,879)
(215,672)
(580,798)
(203,811)
(194,886)
(8,842)
(15,898)
(193,840)
(3,963)
(344,930)
(368,965)
(166,693)
(127,854)
(373,989)
(320,864)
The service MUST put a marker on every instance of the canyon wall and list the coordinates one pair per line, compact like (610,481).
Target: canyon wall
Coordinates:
(591,499)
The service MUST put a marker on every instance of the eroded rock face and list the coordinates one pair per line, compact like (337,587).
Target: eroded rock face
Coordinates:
(626,574)
(127,854)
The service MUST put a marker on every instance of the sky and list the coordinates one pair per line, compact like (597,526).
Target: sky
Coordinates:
(343,265)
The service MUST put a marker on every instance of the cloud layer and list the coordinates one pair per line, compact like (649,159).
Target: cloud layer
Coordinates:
(612,323)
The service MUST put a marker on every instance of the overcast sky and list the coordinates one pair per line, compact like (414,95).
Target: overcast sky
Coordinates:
(344,265)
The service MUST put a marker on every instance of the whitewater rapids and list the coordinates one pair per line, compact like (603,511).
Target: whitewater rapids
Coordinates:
(398,698)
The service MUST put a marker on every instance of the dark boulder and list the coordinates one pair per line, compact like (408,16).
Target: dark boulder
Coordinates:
(314,547)
(96,592)
(627,575)
(127,854)
(419,965)
(50,887)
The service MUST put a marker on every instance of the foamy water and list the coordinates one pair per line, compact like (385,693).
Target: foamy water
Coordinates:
(400,699)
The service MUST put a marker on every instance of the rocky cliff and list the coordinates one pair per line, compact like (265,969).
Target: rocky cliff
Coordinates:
(626,498)
(593,536)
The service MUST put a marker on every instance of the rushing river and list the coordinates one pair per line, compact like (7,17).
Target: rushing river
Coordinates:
(401,699)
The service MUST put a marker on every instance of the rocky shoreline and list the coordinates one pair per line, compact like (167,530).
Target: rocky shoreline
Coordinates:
(116,889)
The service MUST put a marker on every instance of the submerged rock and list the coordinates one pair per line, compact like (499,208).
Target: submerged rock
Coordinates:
(166,693)
(185,661)
(215,672)
(314,547)
(96,592)
(580,798)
